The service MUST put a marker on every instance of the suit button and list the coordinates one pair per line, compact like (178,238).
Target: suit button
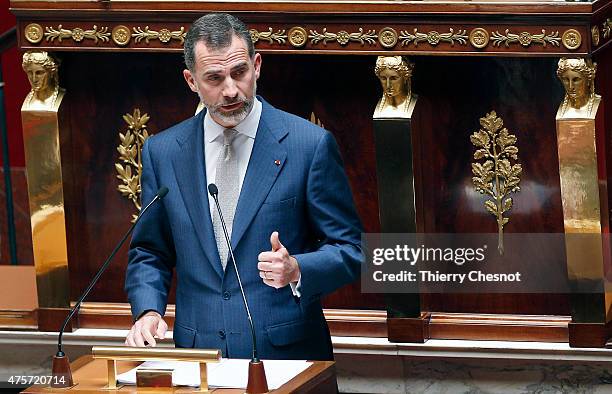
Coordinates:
(227,295)
(221,334)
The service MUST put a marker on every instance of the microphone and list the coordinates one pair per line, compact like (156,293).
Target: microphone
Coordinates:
(257,382)
(62,375)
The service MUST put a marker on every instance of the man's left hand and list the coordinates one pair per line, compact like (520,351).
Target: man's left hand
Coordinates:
(277,268)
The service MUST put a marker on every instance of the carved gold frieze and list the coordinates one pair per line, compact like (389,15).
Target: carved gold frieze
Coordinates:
(270,36)
(129,173)
(163,35)
(525,38)
(479,38)
(34,33)
(77,34)
(571,39)
(387,37)
(433,37)
(298,36)
(314,119)
(495,175)
(121,35)
(343,37)
(595,35)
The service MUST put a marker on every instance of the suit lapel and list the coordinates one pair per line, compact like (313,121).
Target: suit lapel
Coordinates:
(267,160)
(190,173)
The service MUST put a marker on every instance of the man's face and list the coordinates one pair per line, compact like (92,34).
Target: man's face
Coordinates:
(225,80)
(575,85)
(392,83)
(38,76)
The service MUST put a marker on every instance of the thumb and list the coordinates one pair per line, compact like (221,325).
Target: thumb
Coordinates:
(275,242)
(161,329)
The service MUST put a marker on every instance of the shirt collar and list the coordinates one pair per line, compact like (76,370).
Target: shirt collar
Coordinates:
(248,127)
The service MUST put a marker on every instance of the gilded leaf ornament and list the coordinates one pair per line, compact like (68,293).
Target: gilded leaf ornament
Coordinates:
(606,28)
(77,34)
(343,37)
(494,173)
(129,167)
(163,35)
(433,37)
(525,38)
(270,36)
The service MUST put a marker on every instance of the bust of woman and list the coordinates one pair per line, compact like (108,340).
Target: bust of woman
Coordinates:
(578,78)
(41,70)
(394,74)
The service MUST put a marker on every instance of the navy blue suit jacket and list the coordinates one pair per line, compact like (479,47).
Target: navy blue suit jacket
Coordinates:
(306,198)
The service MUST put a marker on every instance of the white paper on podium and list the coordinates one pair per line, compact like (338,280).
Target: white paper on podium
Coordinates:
(228,373)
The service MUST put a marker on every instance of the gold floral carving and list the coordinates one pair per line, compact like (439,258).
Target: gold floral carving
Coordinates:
(121,35)
(77,34)
(315,120)
(343,37)
(279,37)
(595,35)
(572,39)
(525,38)
(433,37)
(163,35)
(387,37)
(606,28)
(495,176)
(479,38)
(33,33)
(297,36)
(129,173)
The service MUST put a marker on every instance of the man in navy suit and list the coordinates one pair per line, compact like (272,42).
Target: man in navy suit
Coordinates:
(286,200)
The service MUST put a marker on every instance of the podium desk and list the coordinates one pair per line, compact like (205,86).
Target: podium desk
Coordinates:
(90,375)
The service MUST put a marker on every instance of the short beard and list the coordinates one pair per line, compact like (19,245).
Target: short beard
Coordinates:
(237,116)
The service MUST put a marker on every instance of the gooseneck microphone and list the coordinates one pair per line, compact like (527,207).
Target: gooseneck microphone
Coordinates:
(257,376)
(64,375)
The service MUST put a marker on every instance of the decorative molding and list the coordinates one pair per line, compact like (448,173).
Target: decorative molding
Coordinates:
(129,173)
(525,38)
(387,37)
(163,35)
(433,37)
(343,37)
(270,36)
(121,35)
(34,33)
(496,177)
(298,36)
(571,39)
(77,34)
(479,38)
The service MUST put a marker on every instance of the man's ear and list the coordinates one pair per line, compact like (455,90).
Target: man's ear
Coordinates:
(257,64)
(190,80)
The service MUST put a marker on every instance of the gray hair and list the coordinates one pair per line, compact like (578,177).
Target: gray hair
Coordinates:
(216,32)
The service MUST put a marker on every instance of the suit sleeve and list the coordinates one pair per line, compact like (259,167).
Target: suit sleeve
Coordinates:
(333,218)
(151,257)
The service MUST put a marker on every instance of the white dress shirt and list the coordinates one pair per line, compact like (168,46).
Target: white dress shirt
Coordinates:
(242,146)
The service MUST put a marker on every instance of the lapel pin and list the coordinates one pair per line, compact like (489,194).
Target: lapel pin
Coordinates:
(277,162)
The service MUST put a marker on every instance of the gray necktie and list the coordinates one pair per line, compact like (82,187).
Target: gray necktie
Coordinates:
(227,183)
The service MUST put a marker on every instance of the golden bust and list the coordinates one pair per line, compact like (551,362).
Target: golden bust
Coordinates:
(578,78)
(42,71)
(394,73)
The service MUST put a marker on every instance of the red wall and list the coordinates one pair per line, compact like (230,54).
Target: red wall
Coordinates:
(15,89)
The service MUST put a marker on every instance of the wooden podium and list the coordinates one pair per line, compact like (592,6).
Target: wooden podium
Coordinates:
(90,377)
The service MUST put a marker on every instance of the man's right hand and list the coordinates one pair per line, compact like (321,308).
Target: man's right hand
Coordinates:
(149,326)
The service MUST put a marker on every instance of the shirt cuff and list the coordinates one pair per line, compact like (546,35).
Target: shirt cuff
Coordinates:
(295,287)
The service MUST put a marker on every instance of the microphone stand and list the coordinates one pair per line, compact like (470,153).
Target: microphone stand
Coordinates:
(61,373)
(257,383)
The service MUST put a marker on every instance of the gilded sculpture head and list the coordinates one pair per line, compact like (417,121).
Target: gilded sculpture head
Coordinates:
(394,73)
(578,78)
(41,69)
